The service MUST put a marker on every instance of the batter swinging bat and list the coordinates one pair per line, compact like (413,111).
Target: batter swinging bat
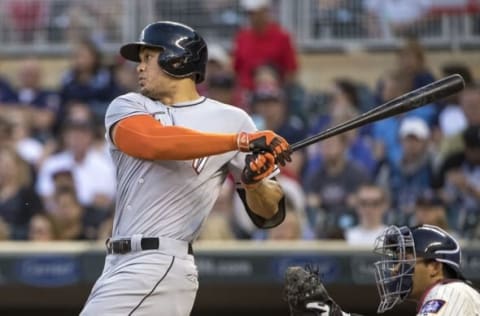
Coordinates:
(406,102)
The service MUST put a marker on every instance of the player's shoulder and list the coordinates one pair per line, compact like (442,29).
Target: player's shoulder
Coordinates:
(131,101)
(446,287)
(227,108)
(131,97)
(444,293)
(456,285)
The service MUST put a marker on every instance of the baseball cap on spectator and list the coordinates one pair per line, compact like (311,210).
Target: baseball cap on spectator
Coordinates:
(216,53)
(254,5)
(471,136)
(414,126)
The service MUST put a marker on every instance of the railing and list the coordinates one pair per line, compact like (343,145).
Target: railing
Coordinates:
(48,26)
(234,275)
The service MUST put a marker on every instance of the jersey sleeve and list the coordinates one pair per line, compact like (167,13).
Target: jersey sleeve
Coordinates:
(122,107)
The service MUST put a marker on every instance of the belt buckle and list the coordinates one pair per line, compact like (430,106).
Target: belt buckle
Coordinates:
(122,246)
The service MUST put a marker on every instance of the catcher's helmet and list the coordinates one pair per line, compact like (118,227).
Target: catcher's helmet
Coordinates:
(184,52)
(400,247)
(432,242)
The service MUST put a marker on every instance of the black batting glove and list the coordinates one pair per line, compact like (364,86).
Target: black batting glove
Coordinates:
(258,166)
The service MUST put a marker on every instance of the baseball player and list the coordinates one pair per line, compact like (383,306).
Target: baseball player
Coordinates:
(421,263)
(173,149)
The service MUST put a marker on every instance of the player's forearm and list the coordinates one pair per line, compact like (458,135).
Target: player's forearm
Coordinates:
(144,138)
(263,199)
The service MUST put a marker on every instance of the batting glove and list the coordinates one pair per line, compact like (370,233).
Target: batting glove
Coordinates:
(258,166)
(265,141)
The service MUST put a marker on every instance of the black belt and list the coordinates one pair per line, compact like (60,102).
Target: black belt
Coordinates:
(123,246)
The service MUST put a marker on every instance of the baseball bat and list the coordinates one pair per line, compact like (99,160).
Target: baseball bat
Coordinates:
(404,103)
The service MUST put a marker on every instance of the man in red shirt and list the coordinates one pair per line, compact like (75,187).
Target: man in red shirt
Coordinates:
(263,42)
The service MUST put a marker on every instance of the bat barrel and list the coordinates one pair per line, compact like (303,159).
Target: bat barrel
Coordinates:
(409,101)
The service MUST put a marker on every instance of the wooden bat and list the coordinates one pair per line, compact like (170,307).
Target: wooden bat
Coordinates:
(404,103)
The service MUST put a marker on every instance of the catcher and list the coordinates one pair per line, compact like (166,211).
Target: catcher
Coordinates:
(421,263)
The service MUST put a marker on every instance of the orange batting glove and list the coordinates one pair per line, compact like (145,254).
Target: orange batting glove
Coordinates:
(258,166)
(265,141)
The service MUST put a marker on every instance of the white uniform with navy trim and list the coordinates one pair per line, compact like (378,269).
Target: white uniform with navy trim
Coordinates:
(451,299)
(166,199)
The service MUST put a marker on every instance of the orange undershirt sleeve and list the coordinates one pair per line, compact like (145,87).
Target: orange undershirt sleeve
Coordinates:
(141,136)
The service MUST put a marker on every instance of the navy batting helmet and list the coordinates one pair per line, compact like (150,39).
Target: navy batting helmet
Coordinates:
(400,247)
(184,52)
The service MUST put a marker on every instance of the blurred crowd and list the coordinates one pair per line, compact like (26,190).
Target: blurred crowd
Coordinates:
(57,181)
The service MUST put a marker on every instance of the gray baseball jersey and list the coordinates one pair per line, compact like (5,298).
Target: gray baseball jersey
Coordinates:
(166,199)
(451,299)
(172,198)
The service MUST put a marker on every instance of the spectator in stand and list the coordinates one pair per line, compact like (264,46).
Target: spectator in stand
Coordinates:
(43,227)
(125,76)
(330,190)
(413,173)
(93,172)
(458,180)
(69,215)
(63,179)
(469,104)
(411,59)
(269,106)
(451,119)
(18,201)
(385,132)
(27,19)
(343,105)
(40,103)
(410,72)
(395,17)
(372,203)
(220,81)
(88,80)
(218,63)
(30,149)
(262,42)
(430,209)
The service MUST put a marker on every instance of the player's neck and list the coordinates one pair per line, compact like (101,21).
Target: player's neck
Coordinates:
(184,91)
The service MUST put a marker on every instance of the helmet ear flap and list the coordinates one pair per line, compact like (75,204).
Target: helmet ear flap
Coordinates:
(171,62)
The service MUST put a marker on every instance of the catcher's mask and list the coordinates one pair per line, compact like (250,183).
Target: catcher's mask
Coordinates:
(394,271)
(400,248)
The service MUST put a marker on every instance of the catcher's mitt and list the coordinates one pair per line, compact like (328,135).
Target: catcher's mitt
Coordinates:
(306,295)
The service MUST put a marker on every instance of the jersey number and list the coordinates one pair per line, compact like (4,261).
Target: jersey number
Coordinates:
(199,164)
